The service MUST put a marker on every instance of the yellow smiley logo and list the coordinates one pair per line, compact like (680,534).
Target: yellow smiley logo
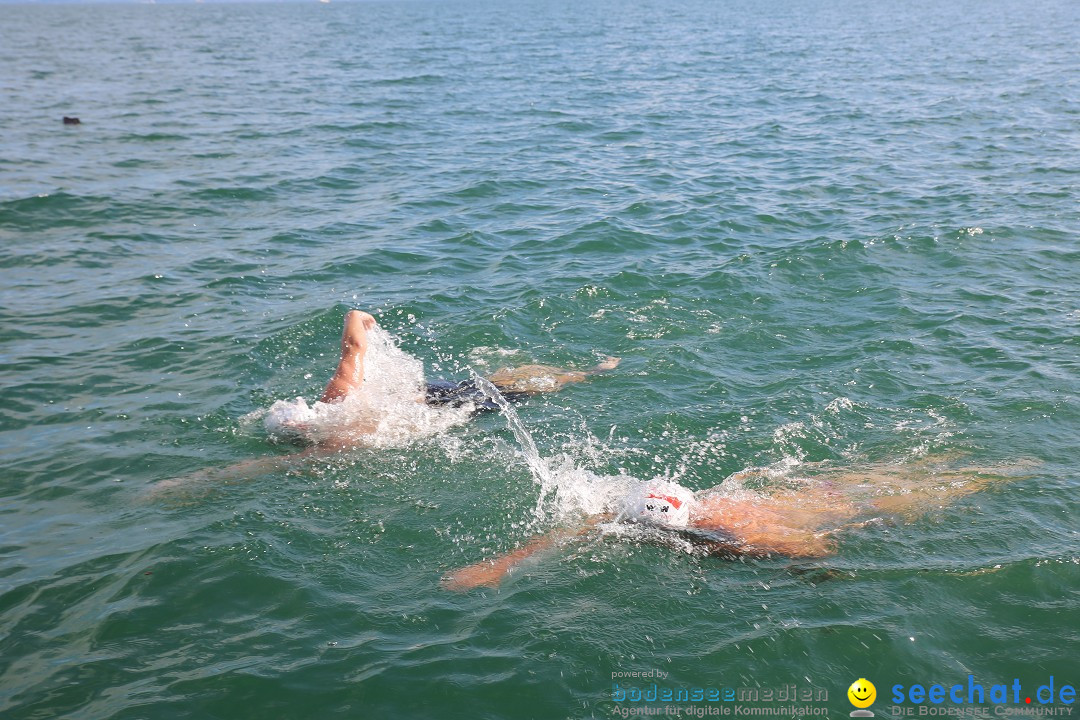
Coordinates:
(862,693)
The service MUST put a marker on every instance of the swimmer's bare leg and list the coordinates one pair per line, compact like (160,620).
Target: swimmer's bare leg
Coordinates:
(534,379)
(349,375)
(785,523)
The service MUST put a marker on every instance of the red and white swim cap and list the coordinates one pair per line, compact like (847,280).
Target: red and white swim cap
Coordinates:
(660,503)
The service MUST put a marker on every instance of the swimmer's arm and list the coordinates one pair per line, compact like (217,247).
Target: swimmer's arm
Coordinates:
(796,543)
(790,543)
(349,375)
(760,536)
(756,531)
(489,573)
(202,482)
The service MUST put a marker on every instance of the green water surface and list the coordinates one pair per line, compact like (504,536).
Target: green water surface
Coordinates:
(814,230)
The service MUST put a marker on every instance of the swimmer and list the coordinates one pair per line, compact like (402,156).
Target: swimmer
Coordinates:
(799,523)
(514,384)
(327,431)
(345,415)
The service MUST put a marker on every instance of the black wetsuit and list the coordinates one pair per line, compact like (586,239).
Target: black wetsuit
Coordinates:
(455,394)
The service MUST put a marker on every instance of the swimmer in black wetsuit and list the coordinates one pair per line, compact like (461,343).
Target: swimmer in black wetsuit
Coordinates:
(514,384)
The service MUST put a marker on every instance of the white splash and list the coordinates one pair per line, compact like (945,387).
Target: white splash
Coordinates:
(839,404)
(389,410)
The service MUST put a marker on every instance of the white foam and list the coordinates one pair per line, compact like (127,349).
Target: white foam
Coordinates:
(839,404)
(388,410)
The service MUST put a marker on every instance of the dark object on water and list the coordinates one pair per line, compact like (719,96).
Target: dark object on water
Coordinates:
(456,394)
(817,575)
(72,121)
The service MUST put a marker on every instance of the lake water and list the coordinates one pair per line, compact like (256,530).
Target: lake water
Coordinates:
(814,231)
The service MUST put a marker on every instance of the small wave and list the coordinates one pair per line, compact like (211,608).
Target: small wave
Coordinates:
(477,190)
(153,137)
(574,125)
(233,194)
(424,79)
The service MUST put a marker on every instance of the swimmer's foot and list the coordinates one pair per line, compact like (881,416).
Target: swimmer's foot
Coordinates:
(609,363)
